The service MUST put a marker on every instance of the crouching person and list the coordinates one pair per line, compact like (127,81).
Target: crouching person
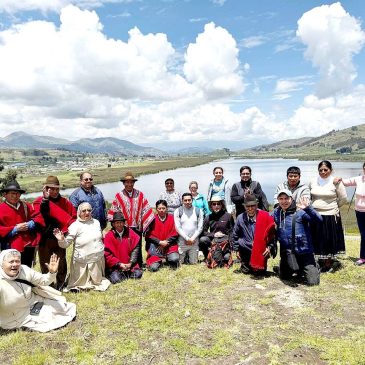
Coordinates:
(293,231)
(220,252)
(26,300)
(121,251)
(161,239)
(254,237)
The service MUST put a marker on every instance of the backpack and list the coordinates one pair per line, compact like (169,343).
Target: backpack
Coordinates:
(217,252)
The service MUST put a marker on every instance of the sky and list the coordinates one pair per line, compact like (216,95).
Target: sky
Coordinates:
(228,73)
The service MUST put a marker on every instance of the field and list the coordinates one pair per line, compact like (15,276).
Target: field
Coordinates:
(200,316)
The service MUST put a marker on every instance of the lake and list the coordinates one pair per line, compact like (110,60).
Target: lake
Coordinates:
(269,172)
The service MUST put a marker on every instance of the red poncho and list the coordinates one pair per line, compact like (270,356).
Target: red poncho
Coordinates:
(60,210)
(161,231)
(135,209)
(264,232)
(10,217)
(118,250)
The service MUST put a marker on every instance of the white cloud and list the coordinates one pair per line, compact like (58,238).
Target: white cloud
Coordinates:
(219,2)
(332,37)
(211,63)
(254,41)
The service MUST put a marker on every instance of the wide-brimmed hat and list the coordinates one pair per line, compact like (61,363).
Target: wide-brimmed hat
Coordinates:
(12,186)
(216,198)
(286,192)
(118,216)
(128,176)
(52,182)
(250,199)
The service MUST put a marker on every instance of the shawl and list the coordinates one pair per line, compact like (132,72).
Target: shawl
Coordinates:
(118,249)
(264,231)
(135,209)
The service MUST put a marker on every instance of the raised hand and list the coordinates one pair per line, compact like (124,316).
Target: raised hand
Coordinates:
(303,202)
(58,234)
(53,264)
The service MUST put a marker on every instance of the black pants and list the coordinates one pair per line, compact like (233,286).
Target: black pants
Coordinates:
(140,258)
(117,276)
(204,244)
(45,250)
(173,259)
(306,266)
(27,256)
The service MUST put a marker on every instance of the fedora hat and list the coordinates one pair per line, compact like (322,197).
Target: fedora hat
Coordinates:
(12,186)
(52,182)
(128,176)
(250,199)
(117,216)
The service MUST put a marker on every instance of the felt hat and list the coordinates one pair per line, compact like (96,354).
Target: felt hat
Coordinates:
(118,216)
(128,176)
(52,182)
(286,192)
(250,199)
(12,186)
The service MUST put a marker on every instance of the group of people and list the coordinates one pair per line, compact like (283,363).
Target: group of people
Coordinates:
(305,221)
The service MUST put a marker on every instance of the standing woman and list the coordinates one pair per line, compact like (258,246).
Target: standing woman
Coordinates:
(359,182)
(220,186)
(171,196)
(327,198)
(87,262)
(247,186)
(199,200)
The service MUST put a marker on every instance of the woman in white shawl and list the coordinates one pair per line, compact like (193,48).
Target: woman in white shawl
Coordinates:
(25,299)
(87,264)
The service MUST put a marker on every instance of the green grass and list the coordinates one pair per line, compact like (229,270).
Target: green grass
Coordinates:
(200,316)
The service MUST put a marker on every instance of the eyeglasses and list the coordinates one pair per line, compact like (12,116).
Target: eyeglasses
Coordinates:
(86,210)
(89,179)
(323,170)
(215,204)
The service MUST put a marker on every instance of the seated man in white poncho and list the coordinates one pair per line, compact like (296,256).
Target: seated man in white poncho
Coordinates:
(21,288)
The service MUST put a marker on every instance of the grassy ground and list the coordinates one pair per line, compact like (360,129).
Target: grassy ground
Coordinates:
(200,316)
(70,179)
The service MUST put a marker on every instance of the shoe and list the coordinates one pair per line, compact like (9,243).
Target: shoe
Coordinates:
(335,266)
(276,270)
(245,269)
(360,262)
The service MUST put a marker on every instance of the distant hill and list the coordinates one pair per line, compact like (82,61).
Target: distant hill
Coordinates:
(346,141)
(21,140)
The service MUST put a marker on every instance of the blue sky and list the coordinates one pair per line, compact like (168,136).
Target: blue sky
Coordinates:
(189,72)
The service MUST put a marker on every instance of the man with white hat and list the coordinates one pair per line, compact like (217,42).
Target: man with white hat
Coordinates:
(293,231)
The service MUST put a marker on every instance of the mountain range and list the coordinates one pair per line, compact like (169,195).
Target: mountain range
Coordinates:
(111,145)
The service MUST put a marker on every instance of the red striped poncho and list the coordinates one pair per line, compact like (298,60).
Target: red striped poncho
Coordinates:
(135,209)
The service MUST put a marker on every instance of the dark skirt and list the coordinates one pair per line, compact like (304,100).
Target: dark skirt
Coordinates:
(328,238)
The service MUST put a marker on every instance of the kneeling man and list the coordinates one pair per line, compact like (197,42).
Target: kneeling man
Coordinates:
(293,230)
(254,237)
(121,251)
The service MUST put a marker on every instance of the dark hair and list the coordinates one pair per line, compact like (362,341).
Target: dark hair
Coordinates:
(218,167)
(169,179)
(293,170)
(186,194)
(83,173)
(161,201)
(325,163)
(246,168)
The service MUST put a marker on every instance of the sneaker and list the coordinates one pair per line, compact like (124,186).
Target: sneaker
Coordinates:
(360,262)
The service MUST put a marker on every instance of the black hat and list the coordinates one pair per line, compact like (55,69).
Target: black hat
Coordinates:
(117,216)
(12,186)
(250,199)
